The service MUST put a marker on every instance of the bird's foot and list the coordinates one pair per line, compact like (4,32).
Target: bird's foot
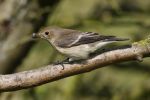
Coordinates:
(65,61)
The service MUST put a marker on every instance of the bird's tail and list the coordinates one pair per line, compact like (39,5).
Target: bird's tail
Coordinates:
(114,38)
(120,39)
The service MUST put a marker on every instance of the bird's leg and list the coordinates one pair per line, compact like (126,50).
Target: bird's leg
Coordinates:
(65,61)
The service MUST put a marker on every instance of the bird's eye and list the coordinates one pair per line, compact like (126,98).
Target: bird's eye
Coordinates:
(46,33)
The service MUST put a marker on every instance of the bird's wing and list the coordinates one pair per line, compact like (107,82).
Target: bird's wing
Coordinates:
(86,38)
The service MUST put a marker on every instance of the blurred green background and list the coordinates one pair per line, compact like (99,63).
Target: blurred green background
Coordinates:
(19,52)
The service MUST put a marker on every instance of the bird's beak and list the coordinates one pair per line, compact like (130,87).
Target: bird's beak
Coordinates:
(35,35)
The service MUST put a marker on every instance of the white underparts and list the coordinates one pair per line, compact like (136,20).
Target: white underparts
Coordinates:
(82,51)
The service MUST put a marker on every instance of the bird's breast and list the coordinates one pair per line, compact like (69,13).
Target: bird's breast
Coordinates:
(80,52)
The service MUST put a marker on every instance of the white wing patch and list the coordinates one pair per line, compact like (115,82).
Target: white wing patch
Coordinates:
(84,34)
(79,37)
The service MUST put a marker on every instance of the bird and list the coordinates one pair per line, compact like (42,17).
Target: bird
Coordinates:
(75,44)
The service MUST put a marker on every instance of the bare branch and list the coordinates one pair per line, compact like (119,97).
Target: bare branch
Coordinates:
(52,73)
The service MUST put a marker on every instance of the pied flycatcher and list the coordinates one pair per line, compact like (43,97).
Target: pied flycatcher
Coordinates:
(73,43)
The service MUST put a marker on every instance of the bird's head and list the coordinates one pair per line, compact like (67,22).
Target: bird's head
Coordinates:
(53,33)
(48,33)
(45,33)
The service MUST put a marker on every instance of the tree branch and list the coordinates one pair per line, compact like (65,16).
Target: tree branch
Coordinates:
(51,73)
